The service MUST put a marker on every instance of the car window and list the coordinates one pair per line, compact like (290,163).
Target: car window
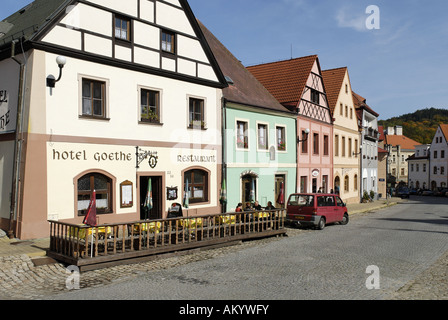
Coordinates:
(339,202)
(325,201)
(301,200)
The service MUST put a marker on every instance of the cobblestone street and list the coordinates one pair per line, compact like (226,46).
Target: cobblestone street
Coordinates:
(21,276)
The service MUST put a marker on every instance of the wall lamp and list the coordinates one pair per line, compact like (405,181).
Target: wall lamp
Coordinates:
(305,137)
(51,80)
(357,154)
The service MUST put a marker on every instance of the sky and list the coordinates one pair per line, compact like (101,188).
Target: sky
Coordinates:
(396,54)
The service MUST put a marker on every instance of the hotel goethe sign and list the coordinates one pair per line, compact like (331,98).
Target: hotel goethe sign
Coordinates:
(9,84)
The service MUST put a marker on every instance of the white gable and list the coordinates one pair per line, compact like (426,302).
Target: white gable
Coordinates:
(91,29)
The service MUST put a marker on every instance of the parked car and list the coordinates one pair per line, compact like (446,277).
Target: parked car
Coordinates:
(315,210)
(440,192)
(427,193)
(403,192)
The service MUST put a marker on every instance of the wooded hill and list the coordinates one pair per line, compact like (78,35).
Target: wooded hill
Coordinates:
(420,125)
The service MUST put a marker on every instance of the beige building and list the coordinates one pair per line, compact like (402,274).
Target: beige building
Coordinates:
(346,133)
(400,149)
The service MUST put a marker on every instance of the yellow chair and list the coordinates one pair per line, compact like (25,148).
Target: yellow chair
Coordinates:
(83,232)
(192,223)
(227,219)
(153,227)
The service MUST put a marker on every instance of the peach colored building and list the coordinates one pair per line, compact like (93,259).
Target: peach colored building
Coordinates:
(297,84)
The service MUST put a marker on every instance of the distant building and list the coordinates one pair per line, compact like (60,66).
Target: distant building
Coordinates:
(368,125)
(400,149)
(383,157)
(418,167)
(439,158)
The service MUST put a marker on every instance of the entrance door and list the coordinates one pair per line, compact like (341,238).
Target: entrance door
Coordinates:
(279,184)
(157,198)
(248,189)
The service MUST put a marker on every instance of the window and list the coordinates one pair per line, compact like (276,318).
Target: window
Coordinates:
(412,168)
(197,185)
(102,186)
(343,146)
(442,154)
(168,44)
(150,106)
(346,184)
(315,143)
(304,143)
(196,113)
(242,138)
(93,98)
(336,145)
(402,172)
(341,110)
(315,96)
(435,154)
(346,111)
(122,28)
(350,151)
(262,137)
(442,170)
(435,170)
(281,139)
(351,113)
(424,167)
(326,145)
(417,167)
(356,148)
(355,182)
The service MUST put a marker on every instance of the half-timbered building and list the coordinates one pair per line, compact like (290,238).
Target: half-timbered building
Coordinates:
(115,98)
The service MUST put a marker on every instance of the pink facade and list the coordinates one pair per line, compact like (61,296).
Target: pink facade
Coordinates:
(315,156)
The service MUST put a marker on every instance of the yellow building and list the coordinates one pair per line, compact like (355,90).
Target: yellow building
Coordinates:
(346,133)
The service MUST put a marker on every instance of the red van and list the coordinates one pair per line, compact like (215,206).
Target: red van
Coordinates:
(316,210)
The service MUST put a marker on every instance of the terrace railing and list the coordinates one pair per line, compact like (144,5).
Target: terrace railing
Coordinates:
(104,245)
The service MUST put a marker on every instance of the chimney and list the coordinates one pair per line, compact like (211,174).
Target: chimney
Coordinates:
(398,130)
(390,131)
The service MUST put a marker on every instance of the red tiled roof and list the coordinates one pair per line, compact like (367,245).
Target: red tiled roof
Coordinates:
(444,128)
(333,80)
(360,102)
(402,141)
(245,88)
(285,80)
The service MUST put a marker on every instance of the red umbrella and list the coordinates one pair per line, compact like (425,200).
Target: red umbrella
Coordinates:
(281,196)
(90,218)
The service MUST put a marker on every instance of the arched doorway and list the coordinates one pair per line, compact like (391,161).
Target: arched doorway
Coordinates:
(248,187)
(433,186)
(337,185)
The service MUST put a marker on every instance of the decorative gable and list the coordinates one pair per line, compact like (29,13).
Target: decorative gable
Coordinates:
(160,37)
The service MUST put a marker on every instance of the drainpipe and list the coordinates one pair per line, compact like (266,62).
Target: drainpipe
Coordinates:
(18,144)
(223,148)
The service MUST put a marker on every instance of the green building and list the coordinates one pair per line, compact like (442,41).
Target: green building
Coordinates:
(260,139)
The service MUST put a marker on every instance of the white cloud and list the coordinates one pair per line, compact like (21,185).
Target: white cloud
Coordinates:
(347,18)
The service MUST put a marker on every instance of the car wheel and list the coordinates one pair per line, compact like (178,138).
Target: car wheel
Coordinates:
(345,219)
(321,224)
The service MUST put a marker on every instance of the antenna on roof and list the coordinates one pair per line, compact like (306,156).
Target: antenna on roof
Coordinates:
(291,51)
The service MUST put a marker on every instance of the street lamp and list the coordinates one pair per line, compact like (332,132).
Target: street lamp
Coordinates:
(305,138)
(51,81)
